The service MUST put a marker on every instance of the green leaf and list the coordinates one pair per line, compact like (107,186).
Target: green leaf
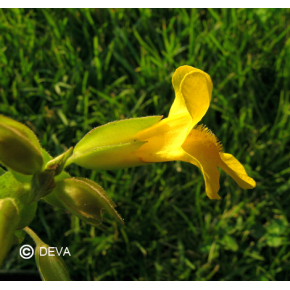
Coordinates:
(19,147)
(277,226)
(112,146)
(274,240)
(230,243)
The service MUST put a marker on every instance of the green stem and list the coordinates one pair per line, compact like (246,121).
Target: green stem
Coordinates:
(33,235)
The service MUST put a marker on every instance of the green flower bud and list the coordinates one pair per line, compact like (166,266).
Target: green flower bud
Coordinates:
(50,265)
(112,146)
(9,219)
(19,147)
(86,200)
(20,194)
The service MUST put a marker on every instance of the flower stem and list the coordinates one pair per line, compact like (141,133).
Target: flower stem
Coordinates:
(33,235)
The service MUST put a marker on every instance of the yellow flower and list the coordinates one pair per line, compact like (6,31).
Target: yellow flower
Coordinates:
(178,138)
(141,141)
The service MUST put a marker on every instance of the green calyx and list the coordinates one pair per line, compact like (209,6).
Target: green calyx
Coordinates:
(20,194)
(16,211)
(50,265)
(43,183)
(112,146)
(86,200)
(33,175)
(19,147)
(9,219)
(57,164)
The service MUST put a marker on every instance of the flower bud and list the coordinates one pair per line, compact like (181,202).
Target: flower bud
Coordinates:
(19,147)
(50,265)
(86,200)
(112,146)
(9,219)
(20,195)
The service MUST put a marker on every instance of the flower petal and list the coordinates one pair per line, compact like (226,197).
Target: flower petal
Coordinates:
(179,105)
(196,88)
(210,174)
(236,170)
(164,139)
(211,177)
(193,89)
(202,150)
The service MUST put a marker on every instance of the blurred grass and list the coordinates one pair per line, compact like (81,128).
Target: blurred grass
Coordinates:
(65,71)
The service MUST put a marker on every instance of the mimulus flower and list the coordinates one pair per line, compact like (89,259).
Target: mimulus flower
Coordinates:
(142,141)
(178,138)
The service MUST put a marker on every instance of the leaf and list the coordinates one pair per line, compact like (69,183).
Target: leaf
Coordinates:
(257,231)
(276,226)
(274,240)
(230,243)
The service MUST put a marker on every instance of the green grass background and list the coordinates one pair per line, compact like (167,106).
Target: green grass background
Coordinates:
(66,71)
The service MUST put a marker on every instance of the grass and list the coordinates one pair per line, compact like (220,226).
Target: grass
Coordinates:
(65,71)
